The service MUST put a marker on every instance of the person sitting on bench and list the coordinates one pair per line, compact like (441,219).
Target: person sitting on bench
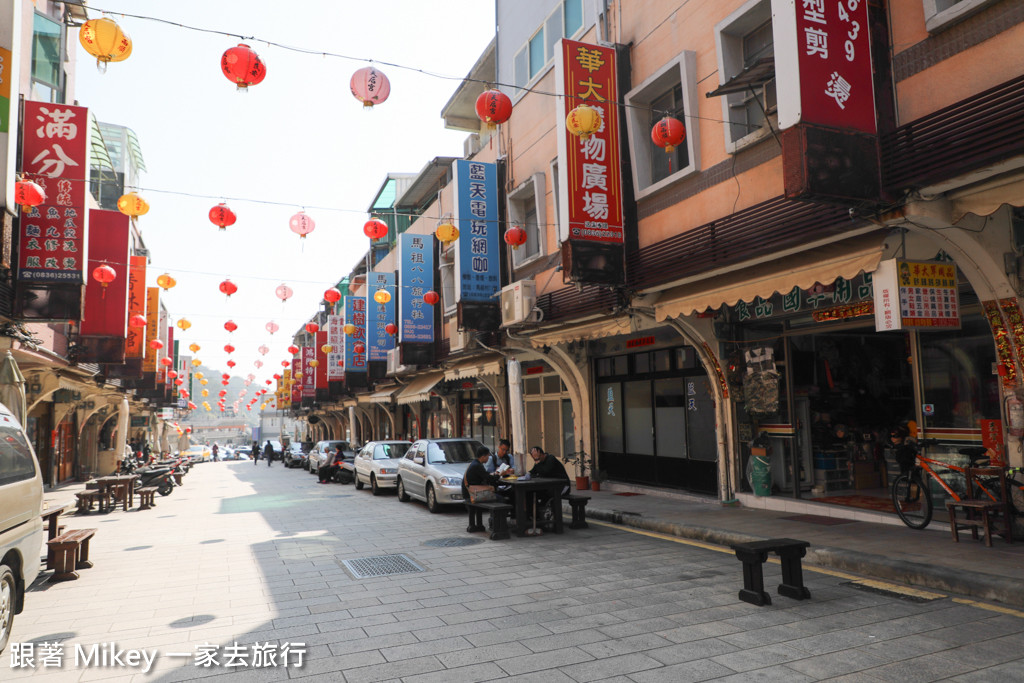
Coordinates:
(477,475)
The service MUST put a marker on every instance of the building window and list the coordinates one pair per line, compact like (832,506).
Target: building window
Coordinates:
(532,59)
(526,209)
(554,199)
(47,59)
(447,271)
(941,14)
(670,91)
(573,13)
(537,53)
(746,67)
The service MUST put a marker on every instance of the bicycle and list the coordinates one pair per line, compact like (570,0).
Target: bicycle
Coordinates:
(912,497)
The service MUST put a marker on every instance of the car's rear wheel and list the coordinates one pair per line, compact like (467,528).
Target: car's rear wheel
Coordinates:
(359,483)
(402,495)
(432,503)
(373,485)
(8,603)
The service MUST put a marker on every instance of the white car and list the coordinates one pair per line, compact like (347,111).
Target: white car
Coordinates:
(320,452)
(376,464)
(432,471)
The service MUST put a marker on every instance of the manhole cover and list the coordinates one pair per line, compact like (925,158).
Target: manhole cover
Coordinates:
(452,542)
(384,565)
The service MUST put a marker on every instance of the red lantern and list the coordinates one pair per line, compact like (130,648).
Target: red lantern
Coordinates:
(171,374)
(179,382)
(515,236)
(286,364)
(225,376)
(137,320)
(166,362)
(222,392)
(28,194)
(104,275)
(222,216)
(230,326)
(375,229)
(277,375)
(229,348)
(224,382)
(268,382)
(228,287)
(242,66)
(668,133)
(359,347)
(431,298)
(312,328)
(391,329)
(191,405)
(231,364)
(332,295)
(156,345)
(370,86)
(301,224)
(493,107)
(283,292)
(293,349)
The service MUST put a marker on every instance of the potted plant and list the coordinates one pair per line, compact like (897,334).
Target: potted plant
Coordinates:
(581,463)
(595,484)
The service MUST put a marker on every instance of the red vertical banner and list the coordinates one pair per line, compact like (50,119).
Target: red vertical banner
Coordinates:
(51,244)
(106,306)
(590,182)
(136,341)
(321,356)
(992,438)
(297,381)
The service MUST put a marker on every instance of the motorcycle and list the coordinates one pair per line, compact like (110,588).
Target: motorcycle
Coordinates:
(160,477)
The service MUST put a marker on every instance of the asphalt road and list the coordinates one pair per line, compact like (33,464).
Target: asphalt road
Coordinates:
(239,575)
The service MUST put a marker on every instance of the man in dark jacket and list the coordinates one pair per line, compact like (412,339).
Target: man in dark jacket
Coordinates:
(268,453)
(547,467)
(477,474)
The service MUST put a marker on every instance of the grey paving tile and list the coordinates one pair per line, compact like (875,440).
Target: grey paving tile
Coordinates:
(690,672)
(543,660)
(759,657)
(607,667)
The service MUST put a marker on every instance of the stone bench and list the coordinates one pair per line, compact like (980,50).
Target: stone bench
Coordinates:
(499,518)
(753,556)
(71,552)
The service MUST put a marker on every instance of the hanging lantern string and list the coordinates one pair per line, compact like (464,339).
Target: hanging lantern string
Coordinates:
(433,74)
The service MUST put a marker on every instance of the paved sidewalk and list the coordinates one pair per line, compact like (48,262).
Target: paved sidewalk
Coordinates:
(927,558)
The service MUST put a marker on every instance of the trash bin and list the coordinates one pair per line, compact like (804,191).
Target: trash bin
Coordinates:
(760,474)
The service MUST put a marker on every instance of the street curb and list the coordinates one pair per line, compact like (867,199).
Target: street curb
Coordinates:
(975,584)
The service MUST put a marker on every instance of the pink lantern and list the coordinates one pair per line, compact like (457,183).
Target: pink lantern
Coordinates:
(264,349)
(272,327)
(284,292)
(258,364)
(301,224)
(370,86)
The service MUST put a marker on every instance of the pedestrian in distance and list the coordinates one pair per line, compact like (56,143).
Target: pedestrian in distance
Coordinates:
(268,453)
(215,450)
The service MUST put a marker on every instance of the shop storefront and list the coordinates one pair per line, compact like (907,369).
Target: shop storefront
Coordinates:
(477,412)
(655,412)
(549,417)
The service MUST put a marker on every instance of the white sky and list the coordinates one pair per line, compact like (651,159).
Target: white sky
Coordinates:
(299,138)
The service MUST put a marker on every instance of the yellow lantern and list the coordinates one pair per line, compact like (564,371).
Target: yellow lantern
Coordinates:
(196,362)
(200,375)
(132,204)
(349,329)
(104,40)
(298,375)
(204,382)
(166,281)
(583,121)
(326,348)
(193,347)
(446,232)
(382,296)
(183,324)
(205,393)
(314,363)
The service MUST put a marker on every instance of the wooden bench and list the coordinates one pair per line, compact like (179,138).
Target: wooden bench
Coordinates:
(579,510)
(753,556)
(498,514)
(86,499)
(147,497)
(177,478)
(979,511)
(71,552)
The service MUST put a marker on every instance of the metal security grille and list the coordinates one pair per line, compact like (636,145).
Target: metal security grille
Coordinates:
(383,565)
(452,542)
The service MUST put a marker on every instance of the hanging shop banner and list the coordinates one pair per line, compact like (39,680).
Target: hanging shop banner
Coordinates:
(284,394)
(916,295)
(823,48)
(136,306)
(416,278)
(321,359)
(152,356)
(336,338)
(52,245)
(296,383)
(588,169)
(355,315)
(379,315)
(308,372)
(105,317)
(477,249)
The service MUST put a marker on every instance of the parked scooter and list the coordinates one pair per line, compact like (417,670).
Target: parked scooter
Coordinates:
(160,477)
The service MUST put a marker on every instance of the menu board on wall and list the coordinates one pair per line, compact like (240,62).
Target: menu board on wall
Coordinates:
(916,295)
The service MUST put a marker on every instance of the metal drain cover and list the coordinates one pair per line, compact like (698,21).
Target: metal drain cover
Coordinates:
(452,542)
(383,565)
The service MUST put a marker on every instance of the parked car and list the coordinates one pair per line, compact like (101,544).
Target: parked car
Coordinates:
(294,456)
(241,453)
(197,454)
(21,528)
(432,471)
(376,464)
(318,456)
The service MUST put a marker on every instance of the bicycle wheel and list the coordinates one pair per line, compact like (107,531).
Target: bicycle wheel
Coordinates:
(912,500)
(1016,487)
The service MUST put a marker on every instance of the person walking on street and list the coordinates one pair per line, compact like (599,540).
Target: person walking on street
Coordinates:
(268,453)
(216,450)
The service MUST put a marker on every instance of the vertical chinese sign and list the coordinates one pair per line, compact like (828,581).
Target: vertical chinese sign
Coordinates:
(308,372)
(379,315)
(590,217)
(415,278)
(152,357)
(321,368)
(105,318)
(916,295)
(355,360)
(336,358)
(477,250)
(822,47)
(296,383)
(136,344)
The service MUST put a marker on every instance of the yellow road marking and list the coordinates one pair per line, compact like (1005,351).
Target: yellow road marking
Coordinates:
(990,608)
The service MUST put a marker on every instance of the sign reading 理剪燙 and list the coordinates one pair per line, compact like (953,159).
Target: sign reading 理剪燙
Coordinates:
(336,338)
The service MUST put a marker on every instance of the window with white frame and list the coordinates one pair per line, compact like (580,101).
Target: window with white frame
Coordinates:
(746,67)
(670,91)
(557,222)
(530,60)
(941,14)
(446,268)
(526,209)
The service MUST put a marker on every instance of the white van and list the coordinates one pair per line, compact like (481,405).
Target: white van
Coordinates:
(21,527)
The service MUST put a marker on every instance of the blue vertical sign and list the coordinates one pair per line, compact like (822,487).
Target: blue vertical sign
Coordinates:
(478,271)
(355,314)
(379,315)
(416,278)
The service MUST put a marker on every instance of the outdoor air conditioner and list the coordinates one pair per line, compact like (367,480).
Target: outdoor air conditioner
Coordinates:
(394,363)
(458,339)
(471,145)
(517,302)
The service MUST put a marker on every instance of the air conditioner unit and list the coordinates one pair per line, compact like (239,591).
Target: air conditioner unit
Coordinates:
(471,145)
(459,340)
(517,302)
(394,363)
